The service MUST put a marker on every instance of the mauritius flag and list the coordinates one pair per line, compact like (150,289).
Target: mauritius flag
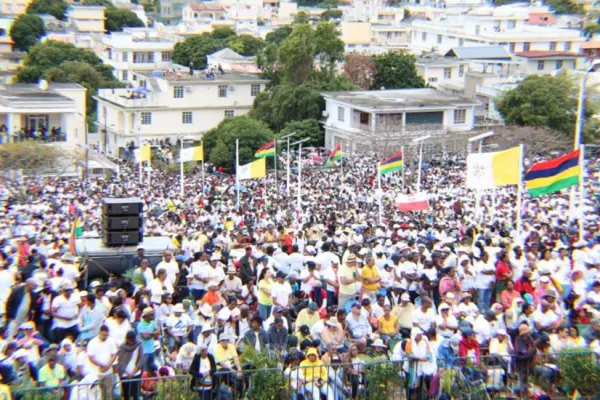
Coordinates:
(268,150)
(335,155)
(76,231)
(553,175)
(392,164)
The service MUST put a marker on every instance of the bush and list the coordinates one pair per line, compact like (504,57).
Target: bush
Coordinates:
(383,381)
(579,370)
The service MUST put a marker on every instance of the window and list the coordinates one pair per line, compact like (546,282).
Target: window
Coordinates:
(143,57)
(567,46)
(511,24)
(552,46)
(540,66)
(186,117)
(559,64)
(511,47)
(439,39)
(229,113)
(526,46)
(134,77)
(461,70)
(166,56)
(460,116)
(125,56)
(222,90)
(447,73)
(461,42)
(178,92)
(146,118)
(423,36)
(125,75)
(254,90)
(432,80)
(104,113)
(341,115)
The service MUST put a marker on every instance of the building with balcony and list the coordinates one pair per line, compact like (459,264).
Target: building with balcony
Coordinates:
(442,70)
(26,109)
(231,61)
(549,62)
(591,49)
(365,117)
(86,18)
(14,7)
(135,50)
(487,26)
(167,104)
(9,60)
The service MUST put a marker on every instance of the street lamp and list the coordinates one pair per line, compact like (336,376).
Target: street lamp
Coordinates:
(480,139)
(288,136)
(581,105)
(420,142)
(299,143)
(181,140)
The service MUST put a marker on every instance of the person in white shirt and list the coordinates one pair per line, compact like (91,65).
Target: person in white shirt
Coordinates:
(446,323)
(179,326)
(484,281)
(102,353)
(197,278)
(118,327)
(424,317)
(160,286)
(296,260)
(65,310)
(146,272)
(207,338)
(281,292)
(170,265)
(232,284)
(282,259)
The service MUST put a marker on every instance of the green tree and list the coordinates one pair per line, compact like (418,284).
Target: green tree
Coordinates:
(307,128)
(195,49)
(564,7)
(394,70)
(297,55)
(329,49)
(301,18)
(222,33)
(287,103)
(219,142)
(542,101)
(56,8)
(279,35)
(26,30)
(118,18)
(246,45)
(332,13)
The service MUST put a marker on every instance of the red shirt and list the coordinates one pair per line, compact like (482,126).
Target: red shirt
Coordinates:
(501,270)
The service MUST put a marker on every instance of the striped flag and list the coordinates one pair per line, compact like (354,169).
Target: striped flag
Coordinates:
(76,231)
(268,150)
(553,175)
(335,155)
(392,164)
(412,202)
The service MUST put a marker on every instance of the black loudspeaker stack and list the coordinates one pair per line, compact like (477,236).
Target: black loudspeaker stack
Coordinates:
(122,222)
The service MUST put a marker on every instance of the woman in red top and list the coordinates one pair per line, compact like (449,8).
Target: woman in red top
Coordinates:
(468,349)
(503,273)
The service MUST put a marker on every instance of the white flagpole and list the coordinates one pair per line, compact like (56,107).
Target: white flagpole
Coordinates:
(581,172)
(149,171)
(202,144)
(237,173)
(403,167)
(181,167)
(419,171)
(288,167)
(275,162)
(140,153)
(299,177)
(380,191)
(520,189)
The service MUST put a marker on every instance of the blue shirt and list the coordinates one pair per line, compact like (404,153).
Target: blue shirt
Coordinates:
(147,344)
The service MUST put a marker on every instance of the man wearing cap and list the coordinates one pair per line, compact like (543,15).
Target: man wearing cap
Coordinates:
(349,277)
(179,326)
(19,304)
(65,311)
(232,284)
(52,374)
(404,312)
(226,356)
(308,316)
(359,327)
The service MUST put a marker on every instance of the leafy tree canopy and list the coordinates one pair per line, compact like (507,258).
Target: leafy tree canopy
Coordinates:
(56,8)
(196,48)
(219,143)
(307,128)
(543,101)
(118,18)
(332,13)
(26,30)
(394,70)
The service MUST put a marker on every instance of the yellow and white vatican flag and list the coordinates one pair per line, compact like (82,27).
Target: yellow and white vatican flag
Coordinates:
(254,170)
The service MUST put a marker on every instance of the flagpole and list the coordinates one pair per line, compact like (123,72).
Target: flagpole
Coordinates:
(341,165)
(581,172)
(288,166)
(299,177)
(237,173)
(202,144)
(149,169)
(403,167)
(419,171)
(520,189)
(140,147)
(380,192)
(181,166)
(275,162)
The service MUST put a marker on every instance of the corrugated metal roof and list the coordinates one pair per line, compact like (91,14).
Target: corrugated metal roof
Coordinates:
(479,53)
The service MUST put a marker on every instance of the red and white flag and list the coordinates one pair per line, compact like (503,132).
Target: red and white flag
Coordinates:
(412,202)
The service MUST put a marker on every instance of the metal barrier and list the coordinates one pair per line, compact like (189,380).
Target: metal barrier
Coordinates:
(469,377)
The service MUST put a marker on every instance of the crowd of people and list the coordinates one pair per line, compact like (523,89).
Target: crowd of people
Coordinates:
(331,282)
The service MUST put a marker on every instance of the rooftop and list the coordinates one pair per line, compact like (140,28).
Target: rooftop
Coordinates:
(439,61)
(390,100)
(548,54)
(182,75)
(206,7)
(479,53)
(25,94)
(593,44)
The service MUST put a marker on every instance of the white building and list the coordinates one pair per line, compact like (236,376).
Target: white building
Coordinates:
(549,62)
(86,18)
(31,107)
(231,61)
(135,50)
(487,26)
(174,104)
(361,117)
